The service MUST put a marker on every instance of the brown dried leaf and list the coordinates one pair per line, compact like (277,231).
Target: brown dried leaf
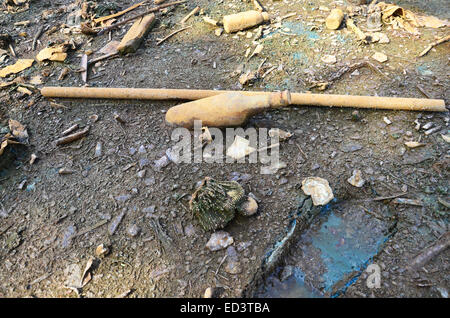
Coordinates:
(18,130)
(55,53)
(19,66)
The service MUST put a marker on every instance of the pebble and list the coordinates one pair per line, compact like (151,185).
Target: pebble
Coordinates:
(133,230)
(161,163)
(208,292)
(115,223)
(329,59)
(98,150)
(356,179)
(142,149)
(189,230)
(141,174)
(287,272)
(380,57)
(149,181)
(351,147)
(219,240)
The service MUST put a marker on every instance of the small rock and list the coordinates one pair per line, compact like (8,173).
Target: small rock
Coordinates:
(208,292)
(249,207)
(141,174)
(233,267)
(142,149)
(329,59)
(101,250)
(189,230)
(98,150)
(355,179)
(218,32)
(133,230)
(161,163)
(380,57)
(219,240)
(115,223)
(386,120)
(318,189)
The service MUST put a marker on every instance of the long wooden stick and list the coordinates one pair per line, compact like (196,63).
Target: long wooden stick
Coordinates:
(399,103)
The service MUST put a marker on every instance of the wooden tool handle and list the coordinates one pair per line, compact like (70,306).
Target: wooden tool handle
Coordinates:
(376,102)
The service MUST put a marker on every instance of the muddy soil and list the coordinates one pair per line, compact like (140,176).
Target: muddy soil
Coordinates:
(51,226)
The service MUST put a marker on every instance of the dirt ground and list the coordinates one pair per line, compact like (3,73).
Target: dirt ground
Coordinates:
(52,224)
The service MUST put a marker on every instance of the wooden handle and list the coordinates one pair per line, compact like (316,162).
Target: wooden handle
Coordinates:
(376,102)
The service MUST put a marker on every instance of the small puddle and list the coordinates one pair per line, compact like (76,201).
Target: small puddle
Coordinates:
(329,256)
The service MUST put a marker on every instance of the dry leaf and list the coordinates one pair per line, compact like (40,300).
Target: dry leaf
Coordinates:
(55,53)
(18,130)
(19,66)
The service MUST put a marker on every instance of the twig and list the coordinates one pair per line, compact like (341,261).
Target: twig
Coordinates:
(221,262)
(440,245)
(103,57)
(157,8)
(172,34)
(90,228)
(72,137)
(190,14)
(423,91)
(36,37)
(387,198)
(118,14)
(429,47)
(13,53)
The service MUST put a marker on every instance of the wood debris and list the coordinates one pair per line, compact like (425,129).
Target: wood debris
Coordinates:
(432,45)
(360,34)
(70,138)
(190,14)
(440,245)
(118,14)
(172,34)
(133,38)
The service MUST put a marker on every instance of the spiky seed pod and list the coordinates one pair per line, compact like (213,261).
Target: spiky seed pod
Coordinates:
(214,202)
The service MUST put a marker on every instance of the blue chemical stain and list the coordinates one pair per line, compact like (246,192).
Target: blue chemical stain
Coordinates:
(292,287)
(300,57)
(299,29)
(285,84)
(424,70)
(332,253)
(345,250)
(341,39)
